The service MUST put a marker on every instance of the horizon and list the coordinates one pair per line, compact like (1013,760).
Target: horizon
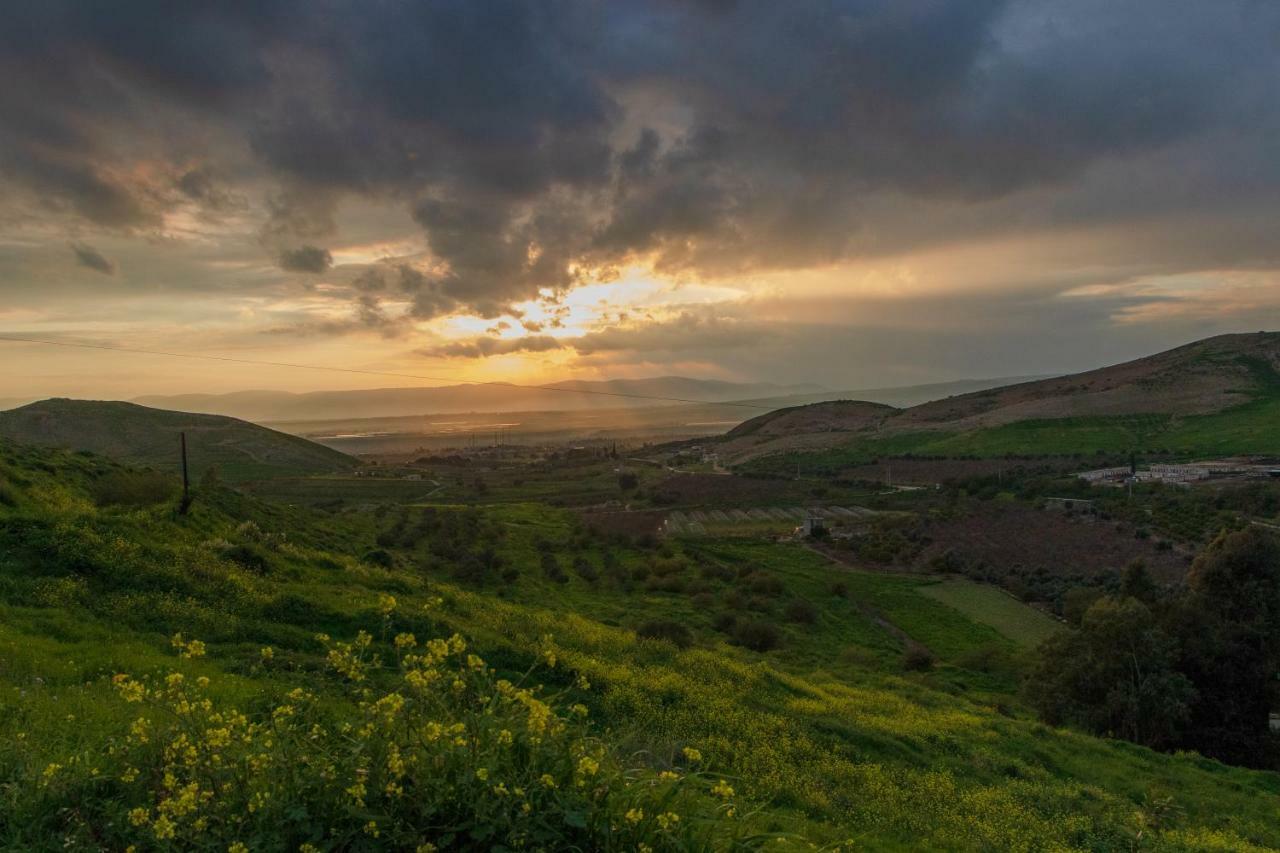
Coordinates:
(856,195)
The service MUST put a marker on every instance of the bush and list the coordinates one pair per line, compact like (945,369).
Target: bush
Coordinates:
(717,572)
(380,557)
(667,630)
(551,568)
(387,773)
(801,611)
(763,583)
(583,569)
(725,622)
(916,658)
(759,636)
(249,557)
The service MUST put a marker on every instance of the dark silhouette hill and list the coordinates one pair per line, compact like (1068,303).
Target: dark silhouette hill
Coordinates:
(144,436)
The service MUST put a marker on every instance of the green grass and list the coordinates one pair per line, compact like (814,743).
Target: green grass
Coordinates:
(991,606)
(826,737)
(1249,428)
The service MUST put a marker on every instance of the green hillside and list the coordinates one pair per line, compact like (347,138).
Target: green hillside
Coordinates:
(692,736)
(1219,396)
(145,436)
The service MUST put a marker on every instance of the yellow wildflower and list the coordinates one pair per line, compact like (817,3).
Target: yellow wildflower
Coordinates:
(634,815)
(722,789)
(692,754)
(163,828)
(386,604)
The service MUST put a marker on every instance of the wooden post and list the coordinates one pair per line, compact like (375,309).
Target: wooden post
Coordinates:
(186,480)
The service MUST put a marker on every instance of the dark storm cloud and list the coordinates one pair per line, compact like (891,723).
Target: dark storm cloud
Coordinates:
(91,258)
(537,143)
(310,259)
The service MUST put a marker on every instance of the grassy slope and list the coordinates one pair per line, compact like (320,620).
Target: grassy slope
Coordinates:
(144,436)
(826,734)
(1248,428)
(991,606)
(1245,429)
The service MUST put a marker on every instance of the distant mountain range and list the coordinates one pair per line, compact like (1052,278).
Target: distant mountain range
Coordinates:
(145,436)
(283,407)
(280,406)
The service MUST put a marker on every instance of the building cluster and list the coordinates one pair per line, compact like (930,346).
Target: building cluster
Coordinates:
(1181,474)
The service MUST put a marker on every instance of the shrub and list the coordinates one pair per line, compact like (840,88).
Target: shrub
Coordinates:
(916,658)
(551,568)
(759,636)
(380,557)
(717,572)
(665,629)
(583,569)
(249,557)
(665,584)
(725,622)
(763,583)
(448,756)
(801,611)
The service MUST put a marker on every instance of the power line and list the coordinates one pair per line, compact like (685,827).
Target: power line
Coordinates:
(322,367)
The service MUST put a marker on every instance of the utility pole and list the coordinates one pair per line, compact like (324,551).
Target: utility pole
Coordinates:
(186,480)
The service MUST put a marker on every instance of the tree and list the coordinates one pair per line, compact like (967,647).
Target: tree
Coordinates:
(1116,675)
(1136,582)
(1229,623)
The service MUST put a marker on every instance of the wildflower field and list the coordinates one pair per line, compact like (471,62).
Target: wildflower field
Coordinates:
(256,676)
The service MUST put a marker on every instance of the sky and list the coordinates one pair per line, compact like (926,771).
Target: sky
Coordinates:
(854,193)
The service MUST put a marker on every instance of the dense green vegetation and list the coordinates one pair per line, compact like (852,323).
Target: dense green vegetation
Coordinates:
(841,733)
(1193,667)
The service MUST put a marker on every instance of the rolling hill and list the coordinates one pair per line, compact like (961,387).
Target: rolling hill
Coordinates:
(145,436)
(282,618)
(1216,396)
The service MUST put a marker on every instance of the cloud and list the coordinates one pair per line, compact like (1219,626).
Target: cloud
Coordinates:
(305,259)
(536,146)
(91,258)
(484,347)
